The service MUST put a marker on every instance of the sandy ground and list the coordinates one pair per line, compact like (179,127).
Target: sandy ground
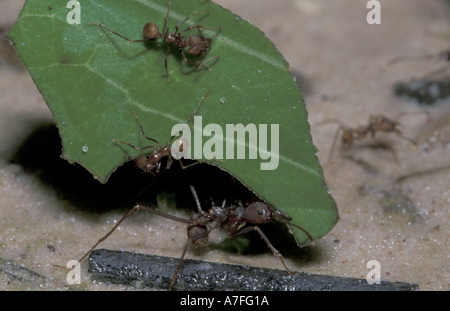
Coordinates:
(394,213)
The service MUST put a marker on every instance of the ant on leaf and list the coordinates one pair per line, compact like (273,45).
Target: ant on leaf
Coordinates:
(152,163)
(377,123)
(195,44)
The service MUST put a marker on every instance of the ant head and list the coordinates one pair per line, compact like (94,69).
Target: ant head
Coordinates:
(151,31)
(258,213)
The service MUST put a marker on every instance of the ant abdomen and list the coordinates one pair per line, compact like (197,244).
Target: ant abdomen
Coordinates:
(198,235)
(198,44)
(144,164)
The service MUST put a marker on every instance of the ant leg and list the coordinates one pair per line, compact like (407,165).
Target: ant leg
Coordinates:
(146,187)
(198,27)
(197,64)
(144,208)
(166,56)
(142,131)
(400,135)
(187,18)
(118,34)
(271,247)
(174,277)
(167,16)
(341,127)
(131,211)
(133,146)
(192,114)
(189,165)
(143,134)
(333,145)
(137,207)
(387,146)
(197,201)
(202,64)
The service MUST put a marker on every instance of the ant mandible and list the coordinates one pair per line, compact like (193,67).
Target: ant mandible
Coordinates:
(377,123)
(195,44)
(152,163)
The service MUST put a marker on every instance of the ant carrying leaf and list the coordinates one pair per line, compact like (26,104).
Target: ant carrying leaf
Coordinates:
(195,44)
(377,123)
(237,220)
(152,163)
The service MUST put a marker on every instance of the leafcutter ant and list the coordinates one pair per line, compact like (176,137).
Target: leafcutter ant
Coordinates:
(195,44)
(377,123)
(152,163)
(237,221)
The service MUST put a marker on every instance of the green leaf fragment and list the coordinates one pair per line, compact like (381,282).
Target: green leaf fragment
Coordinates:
(92,81)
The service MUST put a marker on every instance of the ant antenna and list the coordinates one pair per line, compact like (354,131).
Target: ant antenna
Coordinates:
(192,115)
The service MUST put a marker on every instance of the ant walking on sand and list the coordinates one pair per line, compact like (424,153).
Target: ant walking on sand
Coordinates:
(377,123)
(234,219)
(195,44)
(152,163)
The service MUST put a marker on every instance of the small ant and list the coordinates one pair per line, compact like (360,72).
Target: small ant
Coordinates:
(152,163)
(196,44)
(234,219)
(377,123)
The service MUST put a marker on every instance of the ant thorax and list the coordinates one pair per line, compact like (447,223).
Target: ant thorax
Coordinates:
(254,213)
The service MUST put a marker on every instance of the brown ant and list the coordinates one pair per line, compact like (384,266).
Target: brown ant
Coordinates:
(234,219)
(152,163)
(377,123)
(196,44)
